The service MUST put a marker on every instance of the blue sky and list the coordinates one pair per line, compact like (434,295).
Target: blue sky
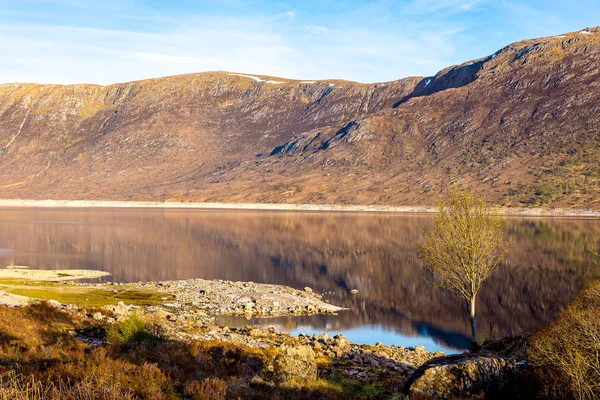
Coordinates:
(109,41)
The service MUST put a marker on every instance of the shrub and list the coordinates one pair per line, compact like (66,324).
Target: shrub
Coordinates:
(208,389)
(567,352)
(132,330)
(546,192)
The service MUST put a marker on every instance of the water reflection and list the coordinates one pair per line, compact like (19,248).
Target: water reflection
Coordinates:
(549,262)
(401,331)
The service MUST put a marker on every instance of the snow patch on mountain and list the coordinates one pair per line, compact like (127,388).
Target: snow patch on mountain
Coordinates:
(256,78)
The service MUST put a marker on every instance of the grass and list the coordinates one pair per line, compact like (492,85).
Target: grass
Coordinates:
(41,360)
(132,330)
(352,387)
(89,296)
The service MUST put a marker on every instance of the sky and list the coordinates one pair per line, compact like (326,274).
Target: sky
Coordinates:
(111,41)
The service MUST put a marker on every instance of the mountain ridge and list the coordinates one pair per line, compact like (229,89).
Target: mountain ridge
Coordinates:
(233,137)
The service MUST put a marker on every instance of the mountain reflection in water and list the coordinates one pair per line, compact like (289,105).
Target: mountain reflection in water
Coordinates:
(549,262)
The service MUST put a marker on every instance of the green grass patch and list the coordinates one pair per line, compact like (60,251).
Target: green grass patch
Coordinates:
(22,281)
(91,297)
(375,390)
(133,330)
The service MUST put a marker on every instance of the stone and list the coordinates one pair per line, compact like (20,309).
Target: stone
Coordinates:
(463,375)
(121,309)
(244,300)
(291,364)
(341,342)
(53,304)
(98,316)
(339,353)
(308,290)
(256,332)
(171,317)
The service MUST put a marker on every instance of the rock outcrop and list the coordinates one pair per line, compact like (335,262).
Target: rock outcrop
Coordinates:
(461,376)
(292,364)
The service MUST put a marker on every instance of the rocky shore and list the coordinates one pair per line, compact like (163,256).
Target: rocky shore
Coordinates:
(303,356)
(185,314)
(389,369)
(188,314)
(194,299)
(190,306)
(219,297)
(508,211)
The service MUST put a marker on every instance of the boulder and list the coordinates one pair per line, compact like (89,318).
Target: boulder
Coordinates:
(120,309)
(292,364)
(461,375)
(53,304)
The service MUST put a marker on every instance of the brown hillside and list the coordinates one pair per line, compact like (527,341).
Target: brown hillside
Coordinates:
(521,125)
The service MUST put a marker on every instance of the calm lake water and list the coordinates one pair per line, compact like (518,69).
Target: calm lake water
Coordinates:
(549,263)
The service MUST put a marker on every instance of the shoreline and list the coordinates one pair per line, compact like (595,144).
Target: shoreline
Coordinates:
(186,326)
(506,211)
(192,298)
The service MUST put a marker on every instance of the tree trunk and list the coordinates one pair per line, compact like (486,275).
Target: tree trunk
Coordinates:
(474,342)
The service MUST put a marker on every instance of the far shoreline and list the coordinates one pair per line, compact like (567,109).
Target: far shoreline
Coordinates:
(506,211)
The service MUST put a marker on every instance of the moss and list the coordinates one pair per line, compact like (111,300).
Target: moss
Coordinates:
(374,390)
(91,297)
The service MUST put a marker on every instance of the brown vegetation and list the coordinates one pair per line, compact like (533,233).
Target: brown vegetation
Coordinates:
(566,353)
(40,358)
(521,126)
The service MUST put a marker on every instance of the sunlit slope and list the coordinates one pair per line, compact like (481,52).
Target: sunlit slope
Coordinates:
(521,126)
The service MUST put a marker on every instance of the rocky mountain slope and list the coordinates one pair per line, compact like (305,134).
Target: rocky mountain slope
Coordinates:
(521,126)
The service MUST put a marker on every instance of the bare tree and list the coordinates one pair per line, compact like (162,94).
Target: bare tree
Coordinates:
(464,247)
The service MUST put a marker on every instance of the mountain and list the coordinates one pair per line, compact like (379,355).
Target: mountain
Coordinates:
(521,126)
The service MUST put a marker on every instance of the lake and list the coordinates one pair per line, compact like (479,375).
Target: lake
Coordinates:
(549,262)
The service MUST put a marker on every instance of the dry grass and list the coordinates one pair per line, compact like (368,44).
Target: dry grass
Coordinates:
(19,387)
(568,351)
(39,359)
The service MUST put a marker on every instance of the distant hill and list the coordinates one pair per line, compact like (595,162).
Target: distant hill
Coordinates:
(521,126)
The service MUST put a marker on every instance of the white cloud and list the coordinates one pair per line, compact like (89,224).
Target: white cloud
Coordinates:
(316,29)
(274,44)
(165,58)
